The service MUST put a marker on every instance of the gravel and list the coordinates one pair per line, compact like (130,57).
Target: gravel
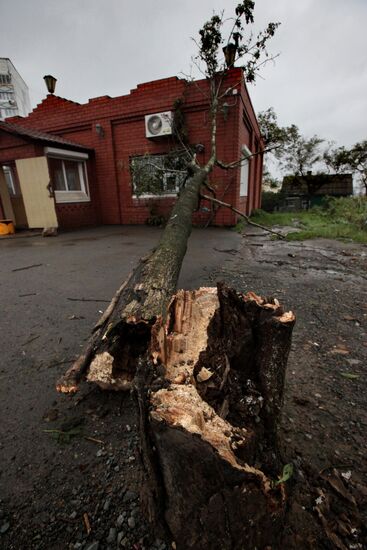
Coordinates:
(4,528)
(131,522)
(112,535)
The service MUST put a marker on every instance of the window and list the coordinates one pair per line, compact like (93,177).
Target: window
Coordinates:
(244,172)
(10,112)
(5,78)
(68,179)
(10,181)
(157,174)
(6,95)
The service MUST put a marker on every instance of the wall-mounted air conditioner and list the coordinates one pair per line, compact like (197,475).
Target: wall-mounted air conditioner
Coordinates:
(158,124)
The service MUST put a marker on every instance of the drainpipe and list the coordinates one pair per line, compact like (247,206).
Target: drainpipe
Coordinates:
(115,171)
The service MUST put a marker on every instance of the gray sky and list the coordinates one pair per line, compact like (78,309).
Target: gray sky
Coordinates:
(107,47)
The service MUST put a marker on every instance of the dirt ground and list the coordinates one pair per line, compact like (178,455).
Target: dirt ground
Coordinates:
(84,493)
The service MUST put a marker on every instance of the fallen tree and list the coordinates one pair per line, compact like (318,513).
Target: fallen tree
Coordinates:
(207,368)
(147,292)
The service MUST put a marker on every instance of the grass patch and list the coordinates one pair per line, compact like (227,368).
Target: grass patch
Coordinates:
(344,218)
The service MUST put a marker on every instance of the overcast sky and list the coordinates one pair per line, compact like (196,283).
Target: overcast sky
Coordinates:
(107,47)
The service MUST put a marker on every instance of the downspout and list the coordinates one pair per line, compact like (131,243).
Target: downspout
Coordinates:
(115,172)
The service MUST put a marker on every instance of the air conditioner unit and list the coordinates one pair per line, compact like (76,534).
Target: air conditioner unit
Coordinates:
(158,124)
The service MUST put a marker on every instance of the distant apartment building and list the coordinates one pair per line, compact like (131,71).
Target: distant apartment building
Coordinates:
(14,94)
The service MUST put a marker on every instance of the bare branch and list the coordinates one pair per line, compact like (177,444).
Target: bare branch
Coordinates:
(190,79)
(198,67)
(246,218)
(210,188)
(237,163)
(163,169)
(255,70)
(211,217)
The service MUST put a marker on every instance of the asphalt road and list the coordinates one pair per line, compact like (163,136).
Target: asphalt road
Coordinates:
(53,290)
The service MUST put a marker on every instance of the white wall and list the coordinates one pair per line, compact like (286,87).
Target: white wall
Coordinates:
(19,90)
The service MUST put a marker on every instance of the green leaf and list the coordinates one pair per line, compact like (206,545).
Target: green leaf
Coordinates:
(286,475)
(349,375)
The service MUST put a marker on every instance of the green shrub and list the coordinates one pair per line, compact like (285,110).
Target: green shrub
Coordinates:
(271,201)
(156,217)
(350,209)
(336,218)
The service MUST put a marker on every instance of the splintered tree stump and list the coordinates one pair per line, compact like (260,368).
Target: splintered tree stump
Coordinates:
(209,380)
(214,422)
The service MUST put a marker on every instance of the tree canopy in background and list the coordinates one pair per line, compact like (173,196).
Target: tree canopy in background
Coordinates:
(354,159)
(297,155)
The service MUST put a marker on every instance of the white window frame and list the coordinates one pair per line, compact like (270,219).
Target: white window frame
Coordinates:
(245,172)
(68,196)
(9,177)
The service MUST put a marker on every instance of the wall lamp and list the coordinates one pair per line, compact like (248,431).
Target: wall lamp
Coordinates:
(230,54)
(99,130)
(225,108)
(50,83)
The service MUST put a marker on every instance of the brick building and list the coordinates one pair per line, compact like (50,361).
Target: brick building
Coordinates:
(69,165)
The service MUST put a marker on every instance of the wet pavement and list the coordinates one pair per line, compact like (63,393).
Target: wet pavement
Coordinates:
(53,290)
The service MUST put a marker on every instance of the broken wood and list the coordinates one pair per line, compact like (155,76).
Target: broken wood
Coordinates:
(31,340)
(87,523)
(141,299)
(214,405)
(209,378)
(26,267)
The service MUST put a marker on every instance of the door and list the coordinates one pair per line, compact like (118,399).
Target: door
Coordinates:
(34,182)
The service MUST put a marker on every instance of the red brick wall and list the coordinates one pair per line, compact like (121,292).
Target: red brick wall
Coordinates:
(122,120)
(13,148)
(81,214)
(71,215)
(249,134)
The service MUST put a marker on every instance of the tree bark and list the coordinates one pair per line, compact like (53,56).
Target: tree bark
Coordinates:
(213,410)
(138,303)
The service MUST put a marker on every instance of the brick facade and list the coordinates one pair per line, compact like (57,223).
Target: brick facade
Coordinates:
(123,124)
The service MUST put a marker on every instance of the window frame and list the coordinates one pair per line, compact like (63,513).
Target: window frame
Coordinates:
(166,173)
(67,195)
(10,179)
(245,169)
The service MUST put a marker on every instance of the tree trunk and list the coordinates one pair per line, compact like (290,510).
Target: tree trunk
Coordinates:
(138,303)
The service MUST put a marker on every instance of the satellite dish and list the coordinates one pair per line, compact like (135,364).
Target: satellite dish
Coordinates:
(155,124)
